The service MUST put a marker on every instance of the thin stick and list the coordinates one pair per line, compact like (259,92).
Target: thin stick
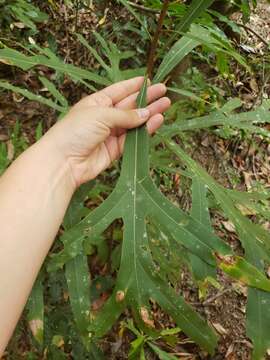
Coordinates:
(143,8)
(153,48)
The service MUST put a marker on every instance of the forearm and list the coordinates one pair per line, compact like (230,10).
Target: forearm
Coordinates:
(34,194)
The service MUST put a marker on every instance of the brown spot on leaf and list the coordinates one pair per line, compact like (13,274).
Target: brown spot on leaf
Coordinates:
(120,295)
(36,327)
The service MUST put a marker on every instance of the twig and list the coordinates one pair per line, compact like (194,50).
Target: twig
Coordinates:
(153,48)
(76,14)
(210,300)
(143,8)
(216,296)
(254,33)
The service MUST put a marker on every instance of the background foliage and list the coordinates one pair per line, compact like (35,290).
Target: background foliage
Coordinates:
(94,274)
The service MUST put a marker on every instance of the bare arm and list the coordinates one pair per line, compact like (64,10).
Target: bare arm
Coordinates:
(35,191)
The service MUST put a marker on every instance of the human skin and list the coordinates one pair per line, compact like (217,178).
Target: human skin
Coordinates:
(36,189)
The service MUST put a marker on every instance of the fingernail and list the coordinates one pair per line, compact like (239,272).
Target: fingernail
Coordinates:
(143,113)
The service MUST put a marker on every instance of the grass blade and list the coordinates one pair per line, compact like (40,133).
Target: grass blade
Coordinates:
(31,96)
(35,307)
(177,53)
(201,270)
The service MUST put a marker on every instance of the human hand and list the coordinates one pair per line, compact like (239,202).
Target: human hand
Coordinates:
(92,134)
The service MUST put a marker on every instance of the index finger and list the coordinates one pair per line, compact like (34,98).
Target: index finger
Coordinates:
(122,89)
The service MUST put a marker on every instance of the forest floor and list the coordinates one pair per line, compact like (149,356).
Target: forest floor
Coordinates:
(226,160)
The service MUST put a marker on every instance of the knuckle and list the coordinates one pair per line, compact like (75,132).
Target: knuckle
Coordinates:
(101,99)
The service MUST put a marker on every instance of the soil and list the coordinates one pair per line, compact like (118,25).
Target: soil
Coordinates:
(224,308)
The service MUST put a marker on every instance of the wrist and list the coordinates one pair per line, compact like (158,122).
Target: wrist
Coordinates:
(54,167)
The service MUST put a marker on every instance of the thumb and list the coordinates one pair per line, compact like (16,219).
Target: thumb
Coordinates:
(126,119)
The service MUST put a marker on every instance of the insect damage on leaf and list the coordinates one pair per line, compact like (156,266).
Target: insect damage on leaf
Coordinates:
(37,327)
(120,296)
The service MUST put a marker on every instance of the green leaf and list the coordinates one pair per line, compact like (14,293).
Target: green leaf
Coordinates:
(171,331)
(55,92)
(160,353)
(35,308)
(4,161)
(186,93)
(114,57)
(135,199)
(48,58)
(240,269)
(252,235)
(136,347)
(195,9)
(136,16)
(222,117)
(258,320)
(256,242)
(201,270)
(78,281)
(31,96)
(77,271)
(177,53)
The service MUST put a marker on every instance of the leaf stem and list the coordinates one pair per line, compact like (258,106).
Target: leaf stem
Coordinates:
(154,43)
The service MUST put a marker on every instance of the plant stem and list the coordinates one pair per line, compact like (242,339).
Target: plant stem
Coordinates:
(154,43)
(143,8)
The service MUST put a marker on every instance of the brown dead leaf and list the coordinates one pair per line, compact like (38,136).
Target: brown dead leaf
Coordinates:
(19,25)
(205,142)
(17,97)
(229,226)
(240,288)
(220,329)
(65,295)
(247,179)
(10,150)
(230,353)
(253,85)
(145,317)
(3,137)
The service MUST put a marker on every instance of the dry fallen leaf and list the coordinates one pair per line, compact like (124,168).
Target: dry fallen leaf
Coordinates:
(247,178)
(145,317)
(3,137)
(229,226)
(240,288)
(220,329)
(230,353)
(19,25)
(10,150)
(253,85)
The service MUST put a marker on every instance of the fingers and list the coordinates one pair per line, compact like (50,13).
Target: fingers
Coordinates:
(125,119)
(123,89)
(154,92)
(154,123)
(159,106)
